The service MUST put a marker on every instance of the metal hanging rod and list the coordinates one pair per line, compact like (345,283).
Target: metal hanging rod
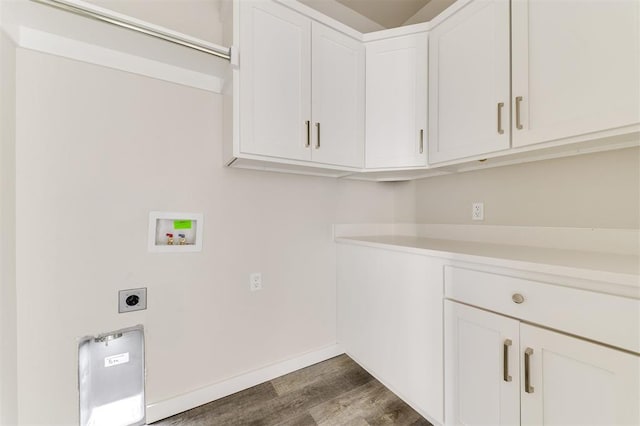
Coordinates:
(79,10)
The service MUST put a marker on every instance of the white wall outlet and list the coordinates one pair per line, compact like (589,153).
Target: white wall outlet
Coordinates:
(477,211)
(255,281)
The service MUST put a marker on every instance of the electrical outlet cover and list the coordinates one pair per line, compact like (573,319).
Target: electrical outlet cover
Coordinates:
(255,281)
(477,211)
(134,299)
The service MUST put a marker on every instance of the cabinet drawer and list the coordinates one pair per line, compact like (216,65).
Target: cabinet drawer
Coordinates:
(613,320)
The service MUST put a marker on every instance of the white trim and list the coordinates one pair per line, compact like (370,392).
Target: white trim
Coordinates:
(396,32)
(54,44)
(163,409)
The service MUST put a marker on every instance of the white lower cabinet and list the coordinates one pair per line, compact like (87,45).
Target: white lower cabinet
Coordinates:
(390,321)
(573,381)
(501,371)
(481,367)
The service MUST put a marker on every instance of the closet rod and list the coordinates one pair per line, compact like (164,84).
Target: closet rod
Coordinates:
(79,10)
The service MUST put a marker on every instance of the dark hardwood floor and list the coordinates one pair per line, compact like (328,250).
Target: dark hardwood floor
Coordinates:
(335,392)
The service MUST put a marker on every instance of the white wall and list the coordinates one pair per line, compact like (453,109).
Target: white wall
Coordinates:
(594,191)
(97,150)
(8,336)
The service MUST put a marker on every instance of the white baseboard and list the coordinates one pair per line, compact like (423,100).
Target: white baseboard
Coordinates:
(170,407)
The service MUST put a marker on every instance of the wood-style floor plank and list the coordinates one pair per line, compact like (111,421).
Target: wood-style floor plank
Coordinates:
(314,374)
(331,393)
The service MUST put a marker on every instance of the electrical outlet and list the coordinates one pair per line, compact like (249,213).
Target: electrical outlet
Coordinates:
(477,211)
(134,299)
(255,281)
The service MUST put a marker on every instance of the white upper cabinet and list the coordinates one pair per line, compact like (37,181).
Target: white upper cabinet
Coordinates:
(338,98)
(469,105)
(301,88)
(488,79)
(275,81)
(396,95)
(576,68)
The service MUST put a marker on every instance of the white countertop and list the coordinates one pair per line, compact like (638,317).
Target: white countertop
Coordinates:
(619,269)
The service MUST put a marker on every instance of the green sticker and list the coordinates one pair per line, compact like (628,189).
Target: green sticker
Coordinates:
(181,224)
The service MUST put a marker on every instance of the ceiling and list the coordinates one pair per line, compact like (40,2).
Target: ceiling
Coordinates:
(388,13)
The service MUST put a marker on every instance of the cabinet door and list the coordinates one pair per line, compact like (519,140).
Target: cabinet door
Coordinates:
(575,382)
(469,106)
(481,385)
(576,67)
(338,98)
(390,321)
(396,102)
(275,80)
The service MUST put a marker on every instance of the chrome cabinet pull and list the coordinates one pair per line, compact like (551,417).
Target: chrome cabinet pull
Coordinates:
(505,360)
(517,298)
(527,370)
(518,123)
(421,141)
(500,129)
(318,141)
(308,144)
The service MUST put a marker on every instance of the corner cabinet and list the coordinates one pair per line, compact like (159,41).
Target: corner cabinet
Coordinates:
(575,75)
(396,93)
(301,88)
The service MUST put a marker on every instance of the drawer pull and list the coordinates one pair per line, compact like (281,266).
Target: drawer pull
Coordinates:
(527,370)
(505,360)
(308,144)
(517,298)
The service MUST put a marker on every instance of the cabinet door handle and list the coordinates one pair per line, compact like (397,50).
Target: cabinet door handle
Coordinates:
(505,360)
(527,370)
(308,144)
(500,129)
(518,123)
(318,141)
(421,141)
